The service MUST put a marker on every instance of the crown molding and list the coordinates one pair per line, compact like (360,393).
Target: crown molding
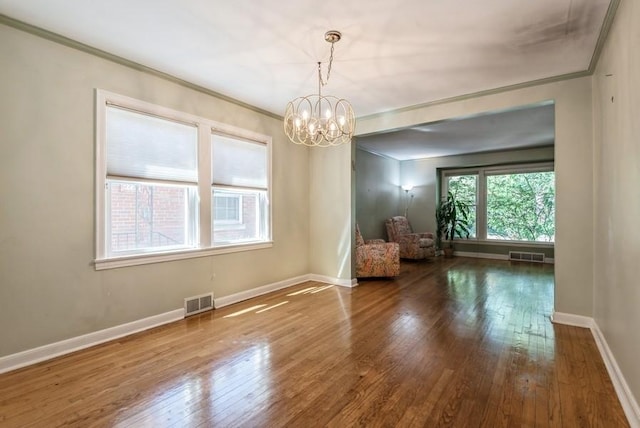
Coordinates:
(604,33)
(65,41)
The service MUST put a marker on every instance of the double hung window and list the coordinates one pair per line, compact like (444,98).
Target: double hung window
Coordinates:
(173,185)
(239,190)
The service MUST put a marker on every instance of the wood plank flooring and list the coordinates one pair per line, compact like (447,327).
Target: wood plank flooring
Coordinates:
(451,342)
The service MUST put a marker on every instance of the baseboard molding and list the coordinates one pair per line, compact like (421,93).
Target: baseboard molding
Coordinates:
(349,283)
(626,397)
(220,302)
(481,255)
(493,256)
(573,320)
(259,291)
(47,352)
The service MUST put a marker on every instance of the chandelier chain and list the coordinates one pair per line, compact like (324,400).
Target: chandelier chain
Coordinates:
(324,82)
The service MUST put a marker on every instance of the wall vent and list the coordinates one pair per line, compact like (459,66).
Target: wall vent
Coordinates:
(522,256)
(196,304)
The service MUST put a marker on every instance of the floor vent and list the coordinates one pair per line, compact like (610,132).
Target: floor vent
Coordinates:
(522,256)
(196,304)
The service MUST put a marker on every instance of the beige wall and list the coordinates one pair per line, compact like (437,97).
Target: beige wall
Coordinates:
(49,290)
(574,173)
(616,101)
(378,193)
(330,189)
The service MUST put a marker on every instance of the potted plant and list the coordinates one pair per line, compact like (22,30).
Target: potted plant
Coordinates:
(452,218)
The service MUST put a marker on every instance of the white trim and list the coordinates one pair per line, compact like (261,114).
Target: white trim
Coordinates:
(134,260)
(481,255)
(492,256)
(259,291)
(205,128)
(56,349)
(349,283)
(571,319)
(626,397)
(220,302)
(52,350)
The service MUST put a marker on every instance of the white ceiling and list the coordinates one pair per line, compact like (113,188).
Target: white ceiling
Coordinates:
(393,54)
(524,127)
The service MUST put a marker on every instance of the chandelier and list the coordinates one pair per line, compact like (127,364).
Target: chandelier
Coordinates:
(317,120)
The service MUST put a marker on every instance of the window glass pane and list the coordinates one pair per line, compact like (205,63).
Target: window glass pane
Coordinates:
(143,146)
(465,189)
(239,216)
(238,162)
(227,207)
(521,206)
(146,217)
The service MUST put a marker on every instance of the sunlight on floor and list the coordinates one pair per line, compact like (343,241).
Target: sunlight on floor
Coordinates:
(264,307)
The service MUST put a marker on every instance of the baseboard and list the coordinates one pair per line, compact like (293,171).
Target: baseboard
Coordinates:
(493,256)
(573,320)
(481,255)
(220,302)
(349,283)
(255,292)
(626,397)
(47,352)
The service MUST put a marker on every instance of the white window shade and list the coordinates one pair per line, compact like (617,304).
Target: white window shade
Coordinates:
(143,146)
(238,163)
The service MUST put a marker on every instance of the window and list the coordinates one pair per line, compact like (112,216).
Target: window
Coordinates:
(521,206)
(227,208)
(465,189)
(172,185)
(515,203)
(239,189)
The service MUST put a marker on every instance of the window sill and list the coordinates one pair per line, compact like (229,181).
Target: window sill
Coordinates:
(143,259)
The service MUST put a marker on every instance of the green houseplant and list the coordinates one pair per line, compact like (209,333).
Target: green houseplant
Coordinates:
(452,218)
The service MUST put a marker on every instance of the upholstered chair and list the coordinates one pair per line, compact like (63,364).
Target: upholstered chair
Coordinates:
(412,245)
(376,258)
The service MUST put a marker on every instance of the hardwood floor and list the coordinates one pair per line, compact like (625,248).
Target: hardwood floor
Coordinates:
(459,342)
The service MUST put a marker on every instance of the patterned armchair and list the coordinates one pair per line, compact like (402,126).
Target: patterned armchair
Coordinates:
(412,245)
(376,258)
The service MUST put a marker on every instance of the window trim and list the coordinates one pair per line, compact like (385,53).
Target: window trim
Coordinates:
(203,212)
(481,197)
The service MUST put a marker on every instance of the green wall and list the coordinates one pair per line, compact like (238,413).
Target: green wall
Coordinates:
(616,101)
(378,194)
(49,288)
